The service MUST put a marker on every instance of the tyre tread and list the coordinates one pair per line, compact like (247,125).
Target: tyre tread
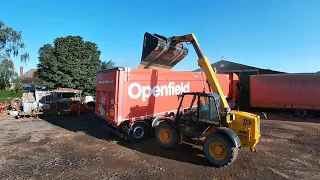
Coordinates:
(174,135)
(222,138)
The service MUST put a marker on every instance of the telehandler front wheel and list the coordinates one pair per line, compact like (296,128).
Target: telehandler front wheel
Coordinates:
(166,135)
(219,150)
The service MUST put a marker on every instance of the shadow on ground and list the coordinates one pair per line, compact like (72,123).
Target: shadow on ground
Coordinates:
(93,126)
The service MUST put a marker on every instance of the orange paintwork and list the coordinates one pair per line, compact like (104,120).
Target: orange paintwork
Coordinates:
(3,106)
(77,107)
(114,88)
(233,91)
(293,91)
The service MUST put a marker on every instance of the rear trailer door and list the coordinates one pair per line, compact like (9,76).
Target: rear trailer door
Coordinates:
(106,92)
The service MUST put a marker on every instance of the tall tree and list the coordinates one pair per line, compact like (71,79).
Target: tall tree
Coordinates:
(69,63)
(48,66)
(7,73)
(10,44)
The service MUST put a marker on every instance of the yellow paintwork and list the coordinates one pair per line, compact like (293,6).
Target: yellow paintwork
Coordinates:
(204,63)
(164,136)
(212,79)
(217,150)
(246,125)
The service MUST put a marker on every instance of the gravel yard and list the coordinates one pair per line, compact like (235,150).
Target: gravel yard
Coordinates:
(80,148)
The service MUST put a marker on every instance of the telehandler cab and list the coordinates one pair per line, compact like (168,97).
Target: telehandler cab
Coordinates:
(202,118)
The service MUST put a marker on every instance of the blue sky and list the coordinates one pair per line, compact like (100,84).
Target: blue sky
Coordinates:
(275,34)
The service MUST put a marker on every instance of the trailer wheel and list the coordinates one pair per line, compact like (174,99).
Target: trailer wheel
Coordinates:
(138,131)
(17,102)
(219,150)
(301,113)
(166,135)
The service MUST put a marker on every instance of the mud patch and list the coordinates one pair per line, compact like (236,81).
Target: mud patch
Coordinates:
(40,150)
(20,141)
(291,127)
(280,173)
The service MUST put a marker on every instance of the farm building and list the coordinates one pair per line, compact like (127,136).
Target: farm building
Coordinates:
(244,72)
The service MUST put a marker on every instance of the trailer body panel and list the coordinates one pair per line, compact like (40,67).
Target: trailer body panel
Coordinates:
(136,94)
(285,91)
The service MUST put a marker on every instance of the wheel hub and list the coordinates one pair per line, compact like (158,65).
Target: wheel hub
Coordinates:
(164,136)
(138,132)
(218,150)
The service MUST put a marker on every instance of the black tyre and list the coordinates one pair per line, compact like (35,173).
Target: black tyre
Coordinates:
(166,135)
(219,150)
(138,132)
(301,113)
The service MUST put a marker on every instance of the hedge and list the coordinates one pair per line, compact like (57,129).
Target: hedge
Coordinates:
(9,95)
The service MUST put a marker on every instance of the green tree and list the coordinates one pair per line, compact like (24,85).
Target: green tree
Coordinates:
(70,62)
(106,65)
(10,44)
(17,85)
(7,74)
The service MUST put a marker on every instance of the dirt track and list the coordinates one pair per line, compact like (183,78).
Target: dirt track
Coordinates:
(79,148)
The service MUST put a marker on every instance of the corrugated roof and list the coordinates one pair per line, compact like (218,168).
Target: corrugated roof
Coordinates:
(228,66)
(66,90)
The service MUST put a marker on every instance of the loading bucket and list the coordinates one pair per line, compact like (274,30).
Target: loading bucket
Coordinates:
(158,52)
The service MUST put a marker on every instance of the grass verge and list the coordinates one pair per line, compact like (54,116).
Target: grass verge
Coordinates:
(9,95)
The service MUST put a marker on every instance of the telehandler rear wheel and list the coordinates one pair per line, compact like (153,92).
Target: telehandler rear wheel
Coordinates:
(166,135)
(219,150)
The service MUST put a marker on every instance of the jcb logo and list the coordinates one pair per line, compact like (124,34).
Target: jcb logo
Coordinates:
(246,122)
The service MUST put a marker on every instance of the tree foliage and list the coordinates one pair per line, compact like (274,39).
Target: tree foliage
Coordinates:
(70,62)
(17,85)
(7,73)
(106,65)
(10,44)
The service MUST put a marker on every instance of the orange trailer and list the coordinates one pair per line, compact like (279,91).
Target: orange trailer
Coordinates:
(129,98)
(300,92)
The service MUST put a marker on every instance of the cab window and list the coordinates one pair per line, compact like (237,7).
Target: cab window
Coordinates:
(207,109)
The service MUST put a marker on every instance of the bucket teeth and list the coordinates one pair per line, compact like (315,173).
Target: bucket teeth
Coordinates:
(160,53)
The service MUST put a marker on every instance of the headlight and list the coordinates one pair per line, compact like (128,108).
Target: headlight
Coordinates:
(232,117)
